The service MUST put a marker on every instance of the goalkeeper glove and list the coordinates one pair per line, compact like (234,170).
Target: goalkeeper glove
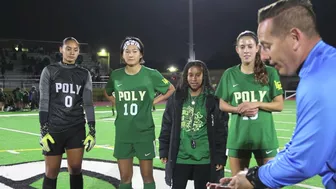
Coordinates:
(90,139)
(45,136)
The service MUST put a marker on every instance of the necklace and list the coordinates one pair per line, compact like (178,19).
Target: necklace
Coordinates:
(193,100)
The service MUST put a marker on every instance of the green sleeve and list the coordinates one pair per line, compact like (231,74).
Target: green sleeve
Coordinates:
(109,86)
(160,83)
(275,83)
(222,88)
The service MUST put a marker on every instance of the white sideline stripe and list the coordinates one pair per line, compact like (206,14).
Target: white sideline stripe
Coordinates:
(284,137)
(109,148)
(285,122)
(285,114)
(36,114)
(13,152)
(283,130)
(18,131)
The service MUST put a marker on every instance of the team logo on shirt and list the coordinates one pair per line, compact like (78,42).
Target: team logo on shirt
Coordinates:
(191,121)
(278,85)
(165,81)
(249,96)
(68,88)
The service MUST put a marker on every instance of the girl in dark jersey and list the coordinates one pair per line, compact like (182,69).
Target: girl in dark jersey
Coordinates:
(65,89)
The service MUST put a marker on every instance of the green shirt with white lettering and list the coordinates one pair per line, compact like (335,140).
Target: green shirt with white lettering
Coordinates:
(134,95)
(256,132)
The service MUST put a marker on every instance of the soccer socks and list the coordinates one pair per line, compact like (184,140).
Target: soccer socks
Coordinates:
(76,181)
(149,185)
(49,183)
(125,186)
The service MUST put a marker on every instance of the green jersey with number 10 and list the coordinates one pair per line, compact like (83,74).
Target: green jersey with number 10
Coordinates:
(134,95)
(255,132)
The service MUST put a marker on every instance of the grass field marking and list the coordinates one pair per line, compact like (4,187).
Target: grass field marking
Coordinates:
(287,138)
(284,114)
(285,122)
(287,130)
(18,131)
(22,150)
(13,152)
(36,114)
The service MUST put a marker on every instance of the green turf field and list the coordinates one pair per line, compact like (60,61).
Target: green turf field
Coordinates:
(20,153)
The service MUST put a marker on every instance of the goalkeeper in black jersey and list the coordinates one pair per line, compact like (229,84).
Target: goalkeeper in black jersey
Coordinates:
(65,89)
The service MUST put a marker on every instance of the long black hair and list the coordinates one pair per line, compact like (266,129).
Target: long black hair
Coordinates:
(260,73)
(183,84)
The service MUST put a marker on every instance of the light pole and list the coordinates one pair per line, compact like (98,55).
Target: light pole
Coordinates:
(104,54)
(191,32)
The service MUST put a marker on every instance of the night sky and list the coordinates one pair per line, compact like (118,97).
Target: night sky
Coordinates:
(162,25)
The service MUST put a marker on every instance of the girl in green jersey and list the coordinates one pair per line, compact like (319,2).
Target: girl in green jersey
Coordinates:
(250,91)
(134,88)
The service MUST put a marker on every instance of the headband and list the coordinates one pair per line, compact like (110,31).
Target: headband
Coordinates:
(131,42)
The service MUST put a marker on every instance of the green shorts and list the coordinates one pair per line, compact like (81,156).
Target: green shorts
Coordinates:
(141,150)
(247,154)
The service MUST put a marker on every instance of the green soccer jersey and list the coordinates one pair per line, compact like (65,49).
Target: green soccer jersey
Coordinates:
(134,95)
(194,130)
(255,132)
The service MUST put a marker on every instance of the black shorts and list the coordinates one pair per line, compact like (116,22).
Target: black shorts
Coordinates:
(69,139)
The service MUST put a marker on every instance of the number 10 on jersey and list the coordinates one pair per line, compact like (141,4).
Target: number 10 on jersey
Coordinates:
(131,109)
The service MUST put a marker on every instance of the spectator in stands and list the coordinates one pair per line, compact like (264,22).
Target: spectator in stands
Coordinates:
(2,100)
(34,98)
(9,105)
(25,99)
(18,98)
(3,69)
(251,91)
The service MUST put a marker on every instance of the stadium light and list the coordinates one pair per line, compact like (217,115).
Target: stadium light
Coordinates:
(172,69)
(102,52)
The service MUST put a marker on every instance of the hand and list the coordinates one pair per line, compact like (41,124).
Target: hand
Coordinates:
(210,185)
(45,136)
(239,181)
(164,160)
(247,106)
(251,112)
(219,167)
(90,139)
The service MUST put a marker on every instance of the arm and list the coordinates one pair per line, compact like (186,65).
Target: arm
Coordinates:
(163,97)
(44,110)
(44,96)
(275,106)
(276,92)
(89,111)
(224,106)
(312,142)
(87,100)
(167,122)
(221,134)
(109,98)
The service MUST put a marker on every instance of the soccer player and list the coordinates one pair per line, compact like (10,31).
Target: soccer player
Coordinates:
(194,131)
(291,42)
(65,89)
(134,86)
(250,91)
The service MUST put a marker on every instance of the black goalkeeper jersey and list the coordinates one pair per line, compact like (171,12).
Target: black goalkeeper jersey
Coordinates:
(64,91)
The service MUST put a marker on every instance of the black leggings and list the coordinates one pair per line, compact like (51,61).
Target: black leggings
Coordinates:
(184,172)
